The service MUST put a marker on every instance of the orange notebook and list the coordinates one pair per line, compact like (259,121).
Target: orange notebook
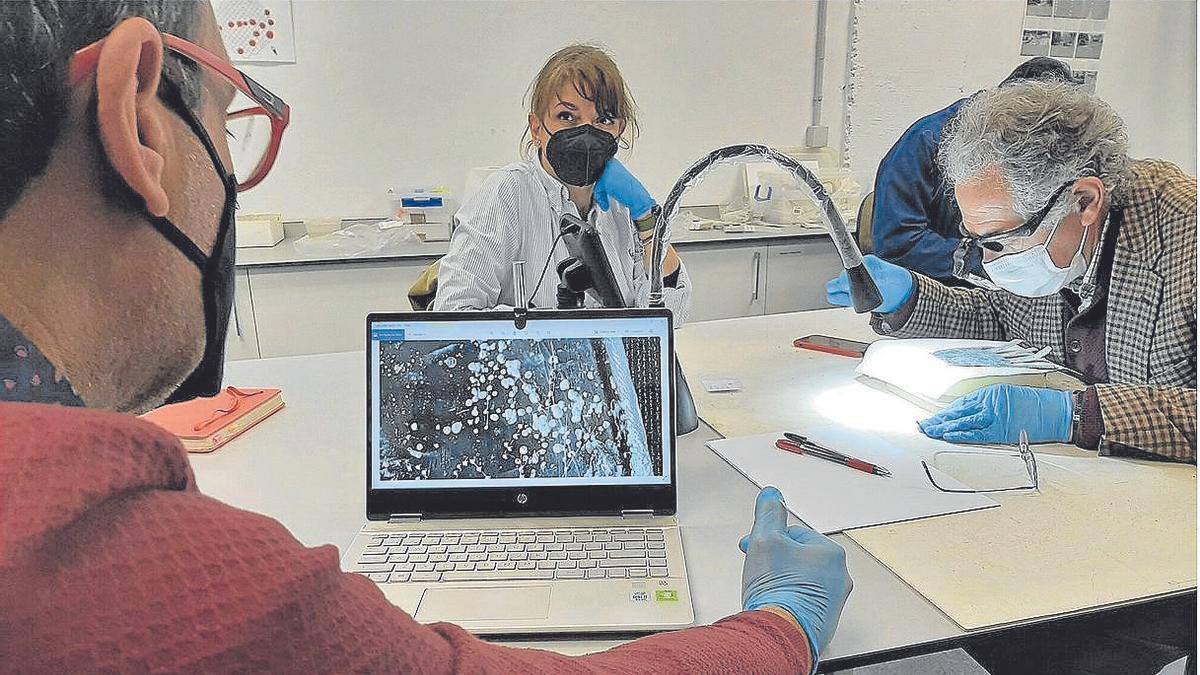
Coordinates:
(205,424)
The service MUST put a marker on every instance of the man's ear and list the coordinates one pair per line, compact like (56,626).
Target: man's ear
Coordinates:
(1090,191)
(131,120)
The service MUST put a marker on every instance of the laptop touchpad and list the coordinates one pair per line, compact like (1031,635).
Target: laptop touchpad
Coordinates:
(480,604)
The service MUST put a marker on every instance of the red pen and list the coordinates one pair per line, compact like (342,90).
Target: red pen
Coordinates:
(832,456)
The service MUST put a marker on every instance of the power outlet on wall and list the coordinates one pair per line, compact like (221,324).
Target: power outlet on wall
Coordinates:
(816,137)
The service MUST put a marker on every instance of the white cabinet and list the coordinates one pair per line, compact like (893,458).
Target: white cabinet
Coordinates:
(728,280)
(310,309)
(242,340)
(743,279)
(797,272)
(285,310)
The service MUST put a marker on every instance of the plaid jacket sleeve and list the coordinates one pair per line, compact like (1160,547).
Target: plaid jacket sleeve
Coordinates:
(936,310)
(1154,410)
(1145,419)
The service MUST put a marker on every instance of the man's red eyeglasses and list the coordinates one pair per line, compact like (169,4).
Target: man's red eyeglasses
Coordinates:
(255,129)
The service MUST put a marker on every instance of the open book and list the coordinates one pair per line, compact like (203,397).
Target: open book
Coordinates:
(934,372)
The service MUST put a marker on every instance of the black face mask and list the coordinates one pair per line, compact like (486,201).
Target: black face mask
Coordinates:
(578,155)
(216,270)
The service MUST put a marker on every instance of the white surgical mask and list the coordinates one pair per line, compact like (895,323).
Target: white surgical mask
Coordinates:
(1032,273)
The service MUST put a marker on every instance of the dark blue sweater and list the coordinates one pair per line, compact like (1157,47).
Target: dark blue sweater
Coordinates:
(916,218)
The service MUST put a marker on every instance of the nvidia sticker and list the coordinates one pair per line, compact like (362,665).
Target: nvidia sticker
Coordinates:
(666,596)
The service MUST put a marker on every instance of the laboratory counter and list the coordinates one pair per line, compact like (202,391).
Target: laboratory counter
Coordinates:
(288,302)
(285,253)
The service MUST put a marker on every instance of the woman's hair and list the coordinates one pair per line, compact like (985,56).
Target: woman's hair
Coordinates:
(594,74)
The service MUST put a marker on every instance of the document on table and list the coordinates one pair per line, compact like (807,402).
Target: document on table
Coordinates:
(933,373)
(830,497)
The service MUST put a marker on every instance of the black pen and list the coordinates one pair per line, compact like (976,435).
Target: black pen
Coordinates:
(805,440)
(806,446)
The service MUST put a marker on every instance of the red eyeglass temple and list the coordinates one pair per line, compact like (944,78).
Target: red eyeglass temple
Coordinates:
(85,61)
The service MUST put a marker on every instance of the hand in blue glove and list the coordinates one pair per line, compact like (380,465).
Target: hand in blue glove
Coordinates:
(617,183)
(794,568)
(895,285)
(998,413)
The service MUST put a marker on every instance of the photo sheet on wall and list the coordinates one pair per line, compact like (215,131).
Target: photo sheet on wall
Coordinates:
(257,31)
(1069,30)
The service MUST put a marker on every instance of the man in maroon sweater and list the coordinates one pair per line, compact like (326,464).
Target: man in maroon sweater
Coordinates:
(116,249)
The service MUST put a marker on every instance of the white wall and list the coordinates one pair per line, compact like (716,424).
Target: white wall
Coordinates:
(1149,75)
(401,93)
(912,57)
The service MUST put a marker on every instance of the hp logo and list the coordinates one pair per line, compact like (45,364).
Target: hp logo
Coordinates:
(522,498)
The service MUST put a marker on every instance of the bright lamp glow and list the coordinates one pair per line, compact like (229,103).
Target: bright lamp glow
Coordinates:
(858,406)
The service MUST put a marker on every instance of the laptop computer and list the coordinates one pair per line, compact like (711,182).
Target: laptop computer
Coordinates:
(521,471)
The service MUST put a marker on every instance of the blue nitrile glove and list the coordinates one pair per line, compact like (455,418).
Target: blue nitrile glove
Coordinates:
(998,413)
(617,183)
(795,568)
(895,285)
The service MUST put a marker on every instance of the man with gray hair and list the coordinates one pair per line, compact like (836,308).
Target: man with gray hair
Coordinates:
(1095,257)
(916,220)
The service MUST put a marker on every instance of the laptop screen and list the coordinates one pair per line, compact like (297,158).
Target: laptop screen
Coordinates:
(463,403)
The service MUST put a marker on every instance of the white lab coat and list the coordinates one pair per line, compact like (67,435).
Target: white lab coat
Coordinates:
(515,216)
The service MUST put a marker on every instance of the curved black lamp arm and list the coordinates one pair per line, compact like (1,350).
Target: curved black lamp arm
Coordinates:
(863,291)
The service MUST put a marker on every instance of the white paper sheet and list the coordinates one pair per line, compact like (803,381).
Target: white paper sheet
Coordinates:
(830,497)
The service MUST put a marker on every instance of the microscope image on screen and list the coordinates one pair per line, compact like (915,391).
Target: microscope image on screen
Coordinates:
(501,408)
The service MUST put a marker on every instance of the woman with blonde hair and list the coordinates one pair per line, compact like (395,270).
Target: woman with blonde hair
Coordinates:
(580,112)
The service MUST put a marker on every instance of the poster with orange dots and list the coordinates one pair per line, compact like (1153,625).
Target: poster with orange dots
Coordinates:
(257,31)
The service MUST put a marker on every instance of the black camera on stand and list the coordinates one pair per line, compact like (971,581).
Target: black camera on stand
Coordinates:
(587,270)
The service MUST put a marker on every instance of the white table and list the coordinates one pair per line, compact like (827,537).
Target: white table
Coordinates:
(1032,548)
(305,467)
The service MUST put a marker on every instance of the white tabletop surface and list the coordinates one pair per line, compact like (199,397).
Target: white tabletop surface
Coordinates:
(1033,546)
(305,466)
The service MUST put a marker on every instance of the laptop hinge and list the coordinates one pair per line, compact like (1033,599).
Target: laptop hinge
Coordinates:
(637,513)
(397,518)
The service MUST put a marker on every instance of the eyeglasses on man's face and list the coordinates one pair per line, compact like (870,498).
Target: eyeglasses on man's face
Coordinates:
(1021,238)
(254,122)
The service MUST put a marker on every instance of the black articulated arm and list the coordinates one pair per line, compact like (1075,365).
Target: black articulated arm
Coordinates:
(863,291)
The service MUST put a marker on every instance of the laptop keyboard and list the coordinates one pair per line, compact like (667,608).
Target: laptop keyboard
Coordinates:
(599,553)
